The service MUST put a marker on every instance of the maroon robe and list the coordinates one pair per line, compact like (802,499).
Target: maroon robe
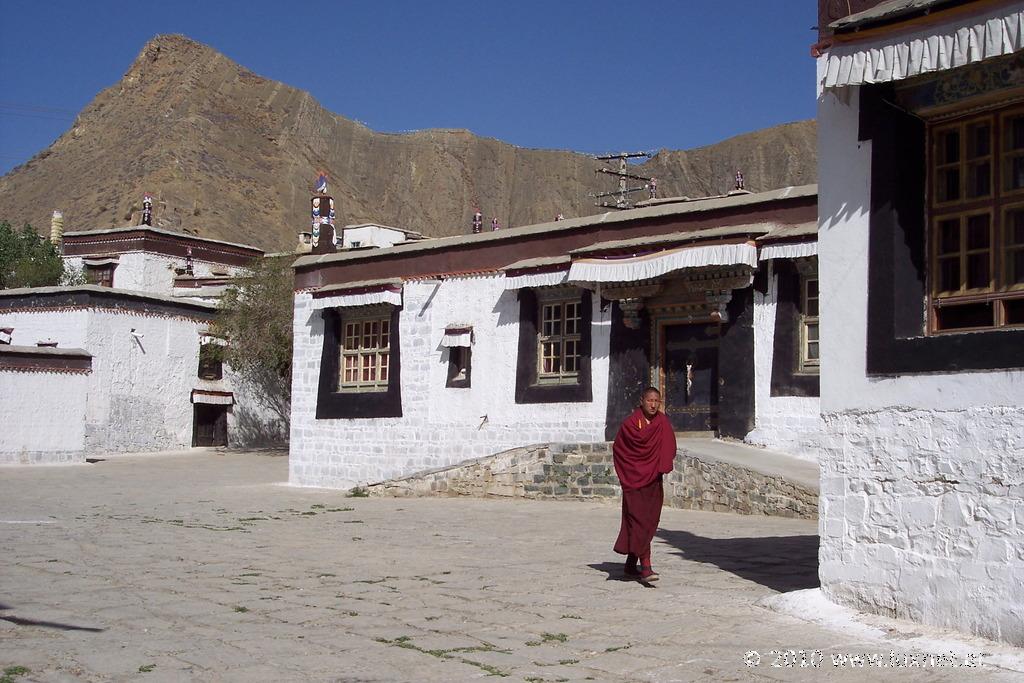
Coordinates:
(643,451)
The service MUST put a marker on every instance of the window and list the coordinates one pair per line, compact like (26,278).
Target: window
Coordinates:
(365,353)
(558,344)
(459,367)
(102,276)
(211,361)
(553,358)
(902,336)
(809,345)
(360,365)
(976,214)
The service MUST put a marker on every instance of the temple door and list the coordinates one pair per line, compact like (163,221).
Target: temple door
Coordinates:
(690,379)
(210,425)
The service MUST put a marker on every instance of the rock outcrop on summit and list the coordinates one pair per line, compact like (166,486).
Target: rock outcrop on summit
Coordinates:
(230,155)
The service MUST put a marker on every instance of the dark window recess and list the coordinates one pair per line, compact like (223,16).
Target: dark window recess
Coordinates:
(102,276)
(332,403)
(787,379)
(459,367)
(211,361)
(898,260)
(528,388)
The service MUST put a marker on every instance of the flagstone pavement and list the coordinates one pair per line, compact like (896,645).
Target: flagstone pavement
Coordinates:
(206,566)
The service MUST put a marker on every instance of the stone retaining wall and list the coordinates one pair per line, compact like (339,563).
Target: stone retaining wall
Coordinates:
(584,471)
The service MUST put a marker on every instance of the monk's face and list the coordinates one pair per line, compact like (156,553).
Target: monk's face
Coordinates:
(650,404)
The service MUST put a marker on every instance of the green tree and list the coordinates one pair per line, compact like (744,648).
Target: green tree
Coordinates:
(255,318)
(29,260)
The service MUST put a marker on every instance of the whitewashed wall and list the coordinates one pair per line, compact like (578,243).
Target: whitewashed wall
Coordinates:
(791,424)
(43,417)
(372,236)
(137,397)
(440,426)
(922,496)
(143,271)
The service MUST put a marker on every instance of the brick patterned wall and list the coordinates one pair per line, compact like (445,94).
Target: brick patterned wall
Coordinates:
(922,516)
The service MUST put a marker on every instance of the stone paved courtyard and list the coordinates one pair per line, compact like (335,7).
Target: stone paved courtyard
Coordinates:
(203,566)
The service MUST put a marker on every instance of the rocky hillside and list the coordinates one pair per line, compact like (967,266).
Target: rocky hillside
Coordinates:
(231,155)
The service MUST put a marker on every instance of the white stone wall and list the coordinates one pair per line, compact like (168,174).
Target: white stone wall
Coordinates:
(372,236)
(43,417)
(922,496)
(140,388)
(440,426)
(138,396)
(143,271)
(791,424)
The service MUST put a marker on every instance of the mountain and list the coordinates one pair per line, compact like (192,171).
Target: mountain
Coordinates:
(230,155)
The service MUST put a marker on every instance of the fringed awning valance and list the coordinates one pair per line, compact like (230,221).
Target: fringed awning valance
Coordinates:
(217,398)
(791,250)
(457,335)
(659,263)
(347,296)
(545,279)
(966,40)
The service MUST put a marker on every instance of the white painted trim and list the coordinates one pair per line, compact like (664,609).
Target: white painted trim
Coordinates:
(548,279)
(797,250)
(360,299)
(212,399)
(451,339)
(967,40)
(657,264)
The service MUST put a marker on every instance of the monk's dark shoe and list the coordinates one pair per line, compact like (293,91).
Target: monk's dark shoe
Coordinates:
(630,570)
(647,575)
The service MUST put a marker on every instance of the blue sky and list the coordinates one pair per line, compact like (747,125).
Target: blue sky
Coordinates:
(581,75)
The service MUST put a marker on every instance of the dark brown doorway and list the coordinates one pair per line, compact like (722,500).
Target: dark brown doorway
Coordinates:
(210,425)
(690,367)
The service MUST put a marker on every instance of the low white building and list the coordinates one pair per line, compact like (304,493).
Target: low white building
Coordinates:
(155,380)
(423,355)
(147,259)
(366,235)
(921,234)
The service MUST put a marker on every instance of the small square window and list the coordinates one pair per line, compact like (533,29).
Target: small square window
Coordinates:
(211,361)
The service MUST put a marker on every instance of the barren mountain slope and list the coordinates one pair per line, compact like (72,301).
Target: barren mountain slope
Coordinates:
(231,155)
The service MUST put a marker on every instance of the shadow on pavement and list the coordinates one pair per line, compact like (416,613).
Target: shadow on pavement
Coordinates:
(614,572)
(49,624)
(782,563)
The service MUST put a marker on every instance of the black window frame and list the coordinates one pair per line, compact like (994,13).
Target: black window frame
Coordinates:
(787,377)
(528,389)
(333,403)
(897,298)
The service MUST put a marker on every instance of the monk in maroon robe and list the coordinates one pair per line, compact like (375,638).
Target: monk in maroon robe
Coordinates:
(644,450)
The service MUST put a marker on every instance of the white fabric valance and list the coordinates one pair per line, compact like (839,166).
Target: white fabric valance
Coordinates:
(966,40)
(386,296)
(210,398)
(548,279)
(797,250)
(210,339)
(457,336)
(662,262)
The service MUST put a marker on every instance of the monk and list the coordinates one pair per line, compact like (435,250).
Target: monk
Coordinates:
(644,450)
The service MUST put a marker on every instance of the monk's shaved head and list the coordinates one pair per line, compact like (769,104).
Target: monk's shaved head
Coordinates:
(650,390)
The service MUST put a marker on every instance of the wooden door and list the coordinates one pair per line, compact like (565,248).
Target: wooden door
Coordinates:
(210,425)
(690,377)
